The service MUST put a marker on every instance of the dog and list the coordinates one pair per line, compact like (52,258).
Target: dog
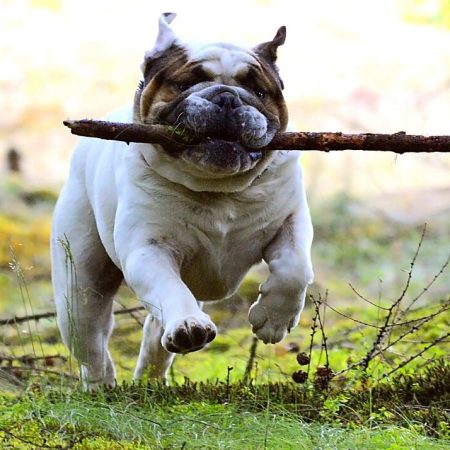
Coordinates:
(183,227)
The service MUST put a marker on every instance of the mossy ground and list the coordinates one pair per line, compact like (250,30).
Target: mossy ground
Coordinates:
(228,415)
(208,404)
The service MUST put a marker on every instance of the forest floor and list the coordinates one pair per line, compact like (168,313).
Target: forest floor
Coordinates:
(378,374)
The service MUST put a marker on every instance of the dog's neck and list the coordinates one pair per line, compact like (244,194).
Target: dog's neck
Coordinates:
(179,172)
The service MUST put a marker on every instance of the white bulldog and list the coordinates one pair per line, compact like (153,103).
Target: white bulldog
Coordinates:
(184,226)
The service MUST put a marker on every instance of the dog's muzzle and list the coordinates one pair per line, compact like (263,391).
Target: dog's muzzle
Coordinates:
(231,123)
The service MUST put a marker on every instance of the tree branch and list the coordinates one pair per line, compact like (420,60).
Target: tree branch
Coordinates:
(159,134)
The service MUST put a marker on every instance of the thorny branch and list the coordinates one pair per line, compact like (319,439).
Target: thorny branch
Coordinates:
(419,323)
(321,321)
(387,325)
(30,359)
(425,289)
(313,333)
(159,134)
(411,358)
(50,315)
(392,320)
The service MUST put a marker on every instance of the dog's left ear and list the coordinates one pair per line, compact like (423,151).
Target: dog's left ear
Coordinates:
(268,50)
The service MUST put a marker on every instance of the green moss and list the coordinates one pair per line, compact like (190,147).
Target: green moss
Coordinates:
(212,415)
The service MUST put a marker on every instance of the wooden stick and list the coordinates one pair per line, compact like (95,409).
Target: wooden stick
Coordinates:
(158,134)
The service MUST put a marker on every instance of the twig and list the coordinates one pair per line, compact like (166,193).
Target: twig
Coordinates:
(366,299)
(422,321)
(26,441)
(317,304)
(229,369)
(17,319)
(426,288)
(136,317)
(158,134)
(251,359)
(313,333)
(371,325)
(44,371)
(411,358)
(445,307)
(29,359)
(50,315)
(387,326)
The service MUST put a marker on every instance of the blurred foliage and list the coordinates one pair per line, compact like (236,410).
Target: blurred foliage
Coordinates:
(28,241)
(25,224)
(355,244)
(53,5)
(427,12)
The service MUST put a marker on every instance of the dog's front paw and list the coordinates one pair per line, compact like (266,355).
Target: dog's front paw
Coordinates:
(189,334)
(274,314)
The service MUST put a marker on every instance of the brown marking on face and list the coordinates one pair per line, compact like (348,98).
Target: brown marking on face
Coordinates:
(164,81)
(189,74)
(153,88)
(169,75)
(263,78)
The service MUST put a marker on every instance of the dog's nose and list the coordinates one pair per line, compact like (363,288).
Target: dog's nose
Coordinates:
(227,101)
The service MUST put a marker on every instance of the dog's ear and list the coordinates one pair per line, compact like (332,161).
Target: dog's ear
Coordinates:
(268,50)
(165,39)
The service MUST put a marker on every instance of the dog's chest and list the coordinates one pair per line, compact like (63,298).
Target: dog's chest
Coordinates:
(223,240)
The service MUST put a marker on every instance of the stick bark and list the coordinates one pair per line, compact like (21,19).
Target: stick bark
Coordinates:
(158,134)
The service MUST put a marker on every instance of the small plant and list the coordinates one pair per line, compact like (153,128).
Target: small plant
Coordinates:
(397,324)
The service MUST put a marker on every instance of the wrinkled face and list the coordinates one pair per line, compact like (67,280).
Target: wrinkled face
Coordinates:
(230,97)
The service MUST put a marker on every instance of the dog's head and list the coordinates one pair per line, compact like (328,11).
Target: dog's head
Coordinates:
(228,96)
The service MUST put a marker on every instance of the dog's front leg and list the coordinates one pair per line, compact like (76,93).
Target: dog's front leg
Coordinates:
(282,296)
(152,271)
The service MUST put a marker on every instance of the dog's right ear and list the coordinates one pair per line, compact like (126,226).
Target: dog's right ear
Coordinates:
(165,39)
(268,50)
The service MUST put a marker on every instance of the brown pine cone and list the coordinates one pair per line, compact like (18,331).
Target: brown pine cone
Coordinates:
(300,376)
(303,359)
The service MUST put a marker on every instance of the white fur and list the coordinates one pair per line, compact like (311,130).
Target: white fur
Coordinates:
(166,37)
(221,59)
(178,236)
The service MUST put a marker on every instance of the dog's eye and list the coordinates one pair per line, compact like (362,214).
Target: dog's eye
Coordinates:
(184,86)
(260,94)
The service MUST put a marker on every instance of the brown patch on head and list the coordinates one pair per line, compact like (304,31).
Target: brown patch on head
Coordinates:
(266,54)
(153,88)
(264,81)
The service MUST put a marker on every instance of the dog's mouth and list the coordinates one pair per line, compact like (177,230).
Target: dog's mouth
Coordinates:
(217,155)
(221,151)
(225,127)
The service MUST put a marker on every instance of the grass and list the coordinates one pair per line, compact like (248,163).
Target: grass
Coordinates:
(140,417)
(208,404)
(47,410)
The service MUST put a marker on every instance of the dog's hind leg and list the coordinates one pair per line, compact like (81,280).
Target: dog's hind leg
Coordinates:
(154,360)
(84,282)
